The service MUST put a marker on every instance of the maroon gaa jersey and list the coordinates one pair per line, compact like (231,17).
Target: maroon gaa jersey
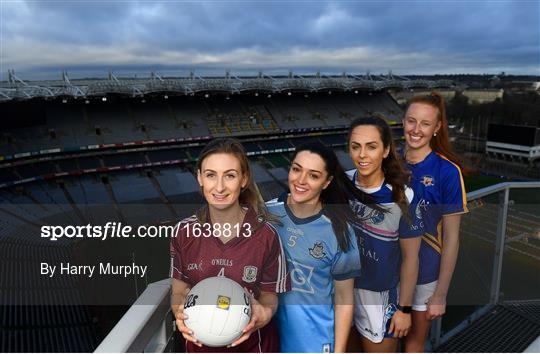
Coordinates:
(256,262)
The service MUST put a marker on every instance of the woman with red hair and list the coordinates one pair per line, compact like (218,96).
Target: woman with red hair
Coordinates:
(437,181)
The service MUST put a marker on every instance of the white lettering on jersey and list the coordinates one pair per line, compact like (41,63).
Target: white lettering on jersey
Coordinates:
(194,266)
(221,272)
(222,262)
(292,241)
(370,254)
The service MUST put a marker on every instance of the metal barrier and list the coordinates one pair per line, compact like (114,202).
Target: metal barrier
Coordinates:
(148,324)
(495,234)
(146,327)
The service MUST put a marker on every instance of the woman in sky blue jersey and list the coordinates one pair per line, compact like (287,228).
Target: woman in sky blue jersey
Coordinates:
(321,250)
(437,180)
(388,242)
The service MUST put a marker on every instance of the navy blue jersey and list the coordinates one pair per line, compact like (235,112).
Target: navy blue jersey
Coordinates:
(379,233)
(438,183)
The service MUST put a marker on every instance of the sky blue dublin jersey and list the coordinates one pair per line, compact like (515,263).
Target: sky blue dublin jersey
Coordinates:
(438,183)
(379,233)
(305,315)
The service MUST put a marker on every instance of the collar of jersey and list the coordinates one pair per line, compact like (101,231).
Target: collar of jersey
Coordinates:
(427,160)
(250,217)
(295,219)
(366,190)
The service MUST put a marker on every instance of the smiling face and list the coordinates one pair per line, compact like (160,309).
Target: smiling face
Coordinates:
(419,125)
(221,179)
(367,151)
(307,178)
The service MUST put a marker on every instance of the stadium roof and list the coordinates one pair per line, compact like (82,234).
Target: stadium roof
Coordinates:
(17,89)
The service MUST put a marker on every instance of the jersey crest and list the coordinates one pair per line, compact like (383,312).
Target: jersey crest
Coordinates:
(377,217)
(427,181)
(317,251)
(250,274)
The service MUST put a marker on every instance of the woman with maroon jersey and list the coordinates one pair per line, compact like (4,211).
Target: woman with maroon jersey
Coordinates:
(230,236)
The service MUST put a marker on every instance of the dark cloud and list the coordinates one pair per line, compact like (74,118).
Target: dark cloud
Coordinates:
(408,37)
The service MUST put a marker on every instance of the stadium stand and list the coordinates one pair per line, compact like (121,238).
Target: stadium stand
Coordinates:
(166,155)
(160,193)
(123,159)
(67,121)
(112,123)
(7,174)
(191,114)
(155,120)
(89,162)
(124,183)
(345,160)
(40,314)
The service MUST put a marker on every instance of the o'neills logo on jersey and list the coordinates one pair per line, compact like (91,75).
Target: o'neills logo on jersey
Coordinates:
(222,262)
(250,274)
(295,231)
(427,181)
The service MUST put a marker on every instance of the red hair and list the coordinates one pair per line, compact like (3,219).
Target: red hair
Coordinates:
(441,142)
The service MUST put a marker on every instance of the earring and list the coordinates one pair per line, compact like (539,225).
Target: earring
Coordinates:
(435,134)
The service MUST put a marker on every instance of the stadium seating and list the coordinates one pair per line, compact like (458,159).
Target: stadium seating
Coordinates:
(151,195)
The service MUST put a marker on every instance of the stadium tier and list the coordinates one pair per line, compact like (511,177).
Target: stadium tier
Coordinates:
(132,160)
(56,125)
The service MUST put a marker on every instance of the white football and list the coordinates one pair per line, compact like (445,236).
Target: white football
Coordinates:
(218,309)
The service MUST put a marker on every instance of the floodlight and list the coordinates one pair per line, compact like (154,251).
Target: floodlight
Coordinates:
(104,99)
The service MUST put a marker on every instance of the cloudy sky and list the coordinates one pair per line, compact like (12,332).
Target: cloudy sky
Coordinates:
(89,38)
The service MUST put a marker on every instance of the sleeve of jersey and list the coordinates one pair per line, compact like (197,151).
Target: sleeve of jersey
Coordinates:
(346,265)
(275,277)
(413,227)
(176,261)
(454,198)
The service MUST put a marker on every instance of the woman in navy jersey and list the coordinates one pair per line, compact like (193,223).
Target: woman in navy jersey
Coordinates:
(230,237)
(437,180)
(388,241)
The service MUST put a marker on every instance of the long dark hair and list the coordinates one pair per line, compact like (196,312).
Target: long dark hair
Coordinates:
(250,194)
(441,142)
(392,166)
(335,197)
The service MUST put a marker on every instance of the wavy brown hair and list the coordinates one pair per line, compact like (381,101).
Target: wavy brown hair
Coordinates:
(250,194)
(393,167)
